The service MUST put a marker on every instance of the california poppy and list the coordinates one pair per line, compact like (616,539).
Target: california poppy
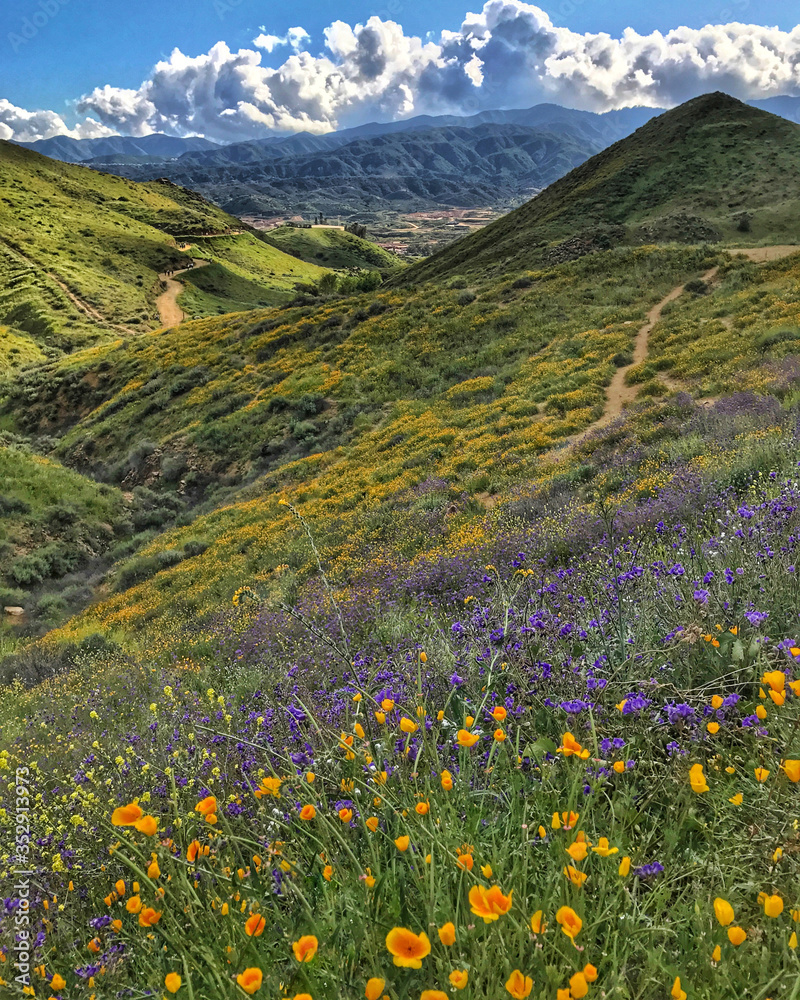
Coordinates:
(407,948)
(723,911)
(250,980)
(126,815)
(489,904)
(569,921)
(519,985)
(305,948)
(447,933)
(254,927)
(374,988)
(172,982)
(206,805)
(149,917)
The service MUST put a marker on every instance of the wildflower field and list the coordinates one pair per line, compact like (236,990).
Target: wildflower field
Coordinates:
(560,761)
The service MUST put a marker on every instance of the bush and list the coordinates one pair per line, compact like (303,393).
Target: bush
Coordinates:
(782,335)
(305,431)
(29,570)
(172,467)
(13,505)
(11,598)
(51,607)
(466,297)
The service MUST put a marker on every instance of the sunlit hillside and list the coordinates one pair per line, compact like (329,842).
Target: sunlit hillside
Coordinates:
(419,635)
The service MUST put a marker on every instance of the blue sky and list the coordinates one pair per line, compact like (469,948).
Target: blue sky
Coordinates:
(75,46)
(89,43)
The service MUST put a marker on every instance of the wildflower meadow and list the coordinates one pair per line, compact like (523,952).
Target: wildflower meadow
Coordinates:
(562,764)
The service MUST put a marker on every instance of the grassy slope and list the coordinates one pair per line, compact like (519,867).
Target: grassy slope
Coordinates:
(375,441)
(54,524)
(332,248)
(245,272)
(711,159)
(107,239)
(349,411)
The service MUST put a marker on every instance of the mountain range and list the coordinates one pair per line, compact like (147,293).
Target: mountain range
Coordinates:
(493,158)
(352,397)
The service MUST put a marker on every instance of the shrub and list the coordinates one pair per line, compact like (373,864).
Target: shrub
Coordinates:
(29,570)
(172,467)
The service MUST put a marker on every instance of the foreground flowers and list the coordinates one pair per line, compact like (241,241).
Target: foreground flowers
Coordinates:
(489,904)
(519,985)
(407,948)
(250,980)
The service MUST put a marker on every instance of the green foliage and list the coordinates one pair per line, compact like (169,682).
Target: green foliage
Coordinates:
(333,248)
(674,180)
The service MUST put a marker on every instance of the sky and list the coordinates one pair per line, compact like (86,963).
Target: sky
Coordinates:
(241,69)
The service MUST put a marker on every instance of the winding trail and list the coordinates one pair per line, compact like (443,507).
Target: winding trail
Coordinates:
(169,311)
(618,394)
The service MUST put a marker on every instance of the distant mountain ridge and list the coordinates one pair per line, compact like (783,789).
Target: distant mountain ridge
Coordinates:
(608,126)
(64,147)
(457,166)
(601,129)
(713,169)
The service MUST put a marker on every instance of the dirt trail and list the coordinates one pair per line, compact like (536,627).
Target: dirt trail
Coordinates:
(761,255)
(618,394)
(169,311)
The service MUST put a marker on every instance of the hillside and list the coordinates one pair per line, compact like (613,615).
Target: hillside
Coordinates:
(452,622)
(81,253)
(332,248)
(347,402)
(713,169)
(487,164)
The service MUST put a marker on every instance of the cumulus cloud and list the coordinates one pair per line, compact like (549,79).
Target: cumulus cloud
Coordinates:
(295,38)
(28,126)
(508,54)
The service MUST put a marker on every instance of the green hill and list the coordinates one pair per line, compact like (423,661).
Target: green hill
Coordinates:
(81,251)
(332,248)
(347,402)
(244,271)
(713,169)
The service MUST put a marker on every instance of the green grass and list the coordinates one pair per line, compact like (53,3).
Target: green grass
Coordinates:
(350,402)
(245,272)
(55,526)
(688,175)
(332,248)
(18,350)
(107,239)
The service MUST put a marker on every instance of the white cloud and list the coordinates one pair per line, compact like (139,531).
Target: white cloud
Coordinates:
(295,38)
(509,54)
(28,126)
